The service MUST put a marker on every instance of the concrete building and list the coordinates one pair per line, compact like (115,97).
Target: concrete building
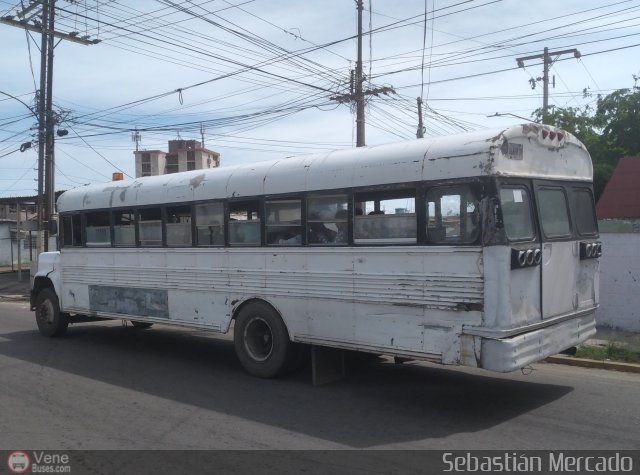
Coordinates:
(20,232)
(183,155)
(9,210)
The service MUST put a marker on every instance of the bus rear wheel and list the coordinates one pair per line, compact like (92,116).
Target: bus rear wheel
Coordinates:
(51,322)
(261,341)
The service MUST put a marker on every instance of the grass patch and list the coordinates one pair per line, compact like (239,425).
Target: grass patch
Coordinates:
(612,351)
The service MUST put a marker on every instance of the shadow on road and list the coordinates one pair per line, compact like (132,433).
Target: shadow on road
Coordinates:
(378,403)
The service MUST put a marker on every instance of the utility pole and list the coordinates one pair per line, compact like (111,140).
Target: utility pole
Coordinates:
(357,93)
(46,119)
(49,184)
(202,134)
(42,124)
(359,86)
(19,235)
(420,131)
(135,137)
(546,63)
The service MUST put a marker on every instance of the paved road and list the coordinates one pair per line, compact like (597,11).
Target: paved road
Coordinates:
(105,386)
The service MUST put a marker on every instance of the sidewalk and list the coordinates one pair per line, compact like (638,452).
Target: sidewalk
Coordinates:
(12,289)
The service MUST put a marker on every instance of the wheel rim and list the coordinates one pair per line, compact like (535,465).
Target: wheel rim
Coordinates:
(258,339)
(46,313)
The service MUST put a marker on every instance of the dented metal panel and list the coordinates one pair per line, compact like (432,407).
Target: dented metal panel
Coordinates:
(129,301)
(512,353)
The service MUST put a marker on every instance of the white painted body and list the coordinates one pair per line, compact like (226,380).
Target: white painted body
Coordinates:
(449,304)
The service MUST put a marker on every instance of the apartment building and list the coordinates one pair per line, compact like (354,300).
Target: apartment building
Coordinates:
(183,155)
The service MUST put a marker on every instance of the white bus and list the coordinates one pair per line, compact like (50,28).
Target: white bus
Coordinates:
(479,249)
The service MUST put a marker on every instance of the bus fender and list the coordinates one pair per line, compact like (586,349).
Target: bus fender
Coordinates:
(239,304)
(47,275)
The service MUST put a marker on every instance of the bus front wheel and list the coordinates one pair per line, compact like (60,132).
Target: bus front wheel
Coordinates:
(51,322)
(261,341)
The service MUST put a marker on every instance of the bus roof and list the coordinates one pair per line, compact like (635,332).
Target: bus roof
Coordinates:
(527,150)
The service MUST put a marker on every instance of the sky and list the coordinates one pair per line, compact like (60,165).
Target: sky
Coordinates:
(261,78)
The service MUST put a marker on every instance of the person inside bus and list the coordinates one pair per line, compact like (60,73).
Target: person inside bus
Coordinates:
(292,241)
(320,234)
(342,236)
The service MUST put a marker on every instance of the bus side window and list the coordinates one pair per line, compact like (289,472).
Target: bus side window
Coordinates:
(71,231)
(124,228)
(150,227)
(210,224)
(244,223)
(387,218)
(178,225)
(98,229)
(325,220)
(452,215)
(284,222)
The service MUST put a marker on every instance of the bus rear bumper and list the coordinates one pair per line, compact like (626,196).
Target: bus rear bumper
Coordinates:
(512,353)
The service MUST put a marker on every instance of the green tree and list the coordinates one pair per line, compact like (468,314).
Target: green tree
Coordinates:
(610,131)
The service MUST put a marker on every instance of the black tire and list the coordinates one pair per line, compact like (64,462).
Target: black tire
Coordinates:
(51,322)
(141,325)
(262,342)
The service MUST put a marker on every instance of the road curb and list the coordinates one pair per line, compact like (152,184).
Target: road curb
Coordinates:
(599,364)
(14,298)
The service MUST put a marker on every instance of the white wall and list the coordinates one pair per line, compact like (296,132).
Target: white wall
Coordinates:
(620,282)
(9,248)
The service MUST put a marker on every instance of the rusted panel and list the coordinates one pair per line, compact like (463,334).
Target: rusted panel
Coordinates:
(492,228)
(129,301)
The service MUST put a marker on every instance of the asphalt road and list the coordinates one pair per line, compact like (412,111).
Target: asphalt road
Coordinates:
(105,386)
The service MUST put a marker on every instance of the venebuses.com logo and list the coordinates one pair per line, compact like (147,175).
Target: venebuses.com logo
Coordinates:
(18,462)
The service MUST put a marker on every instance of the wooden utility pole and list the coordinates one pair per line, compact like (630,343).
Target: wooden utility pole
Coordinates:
(42,124)
(546,64)
(420,131)
(49,185)
(357,93)
(19,236)
(46,118)
(360,142)
(202,134)
(135,137)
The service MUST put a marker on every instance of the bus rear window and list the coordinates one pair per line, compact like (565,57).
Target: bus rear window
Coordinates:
(554,215)
(585,215)
(516,213)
